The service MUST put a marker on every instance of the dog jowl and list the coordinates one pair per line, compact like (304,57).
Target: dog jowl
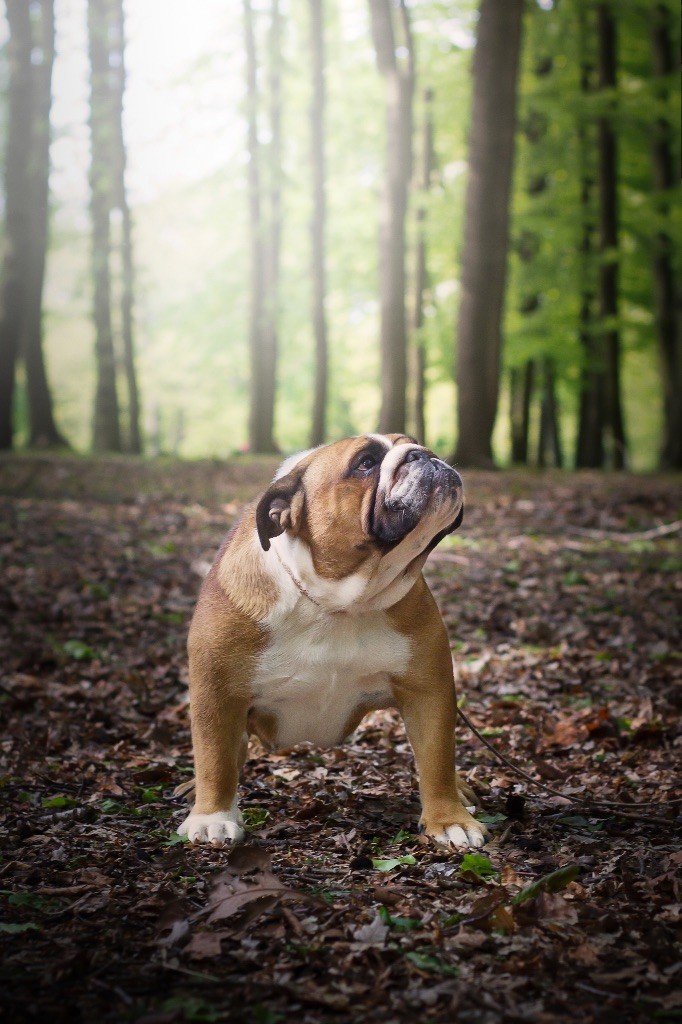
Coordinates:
(315,612)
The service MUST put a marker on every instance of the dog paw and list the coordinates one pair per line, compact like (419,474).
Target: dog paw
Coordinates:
(461,838)
(217,829)
(463,834)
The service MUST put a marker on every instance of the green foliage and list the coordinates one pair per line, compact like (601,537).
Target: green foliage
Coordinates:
(389,863)
(58,803)
(79,650)
(399,924)
(476,867)
(554,882)
(431,964)
(556,150)
(191,237)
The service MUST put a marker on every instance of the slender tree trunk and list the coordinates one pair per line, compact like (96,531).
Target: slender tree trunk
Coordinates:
(421,277)
(255,226)
(521,386)
(43,429)
(17,208)
(399,77)
(486,228)
(318,270)
(667,292)
(117,45)
(274,234)
(549,445)
(106,427)
(590,441)
(608,243)
(261,390)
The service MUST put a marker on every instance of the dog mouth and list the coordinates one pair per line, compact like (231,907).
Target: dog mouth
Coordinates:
(413,486)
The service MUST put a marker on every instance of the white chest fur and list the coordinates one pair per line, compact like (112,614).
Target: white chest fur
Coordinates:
(319,668)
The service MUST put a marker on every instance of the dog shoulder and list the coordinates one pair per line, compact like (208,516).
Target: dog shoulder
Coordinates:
(236,595)
(241,572)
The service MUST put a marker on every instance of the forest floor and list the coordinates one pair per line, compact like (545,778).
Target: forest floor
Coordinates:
(563,610)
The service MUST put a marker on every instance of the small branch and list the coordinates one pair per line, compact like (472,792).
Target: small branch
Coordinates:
(666,530)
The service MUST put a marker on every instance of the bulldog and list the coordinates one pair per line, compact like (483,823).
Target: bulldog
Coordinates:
(315,612)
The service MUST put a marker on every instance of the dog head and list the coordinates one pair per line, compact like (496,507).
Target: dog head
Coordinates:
(351,505)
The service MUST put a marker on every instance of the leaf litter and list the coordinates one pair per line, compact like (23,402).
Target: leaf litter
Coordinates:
(567,653)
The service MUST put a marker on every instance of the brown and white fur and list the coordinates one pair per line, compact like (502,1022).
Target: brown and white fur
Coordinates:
(315,612)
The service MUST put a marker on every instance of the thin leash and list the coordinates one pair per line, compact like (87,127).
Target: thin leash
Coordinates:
(581,801)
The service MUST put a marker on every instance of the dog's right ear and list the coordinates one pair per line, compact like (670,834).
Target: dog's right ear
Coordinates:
(281,508)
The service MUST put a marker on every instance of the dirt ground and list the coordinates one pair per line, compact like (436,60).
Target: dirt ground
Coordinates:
(562,598)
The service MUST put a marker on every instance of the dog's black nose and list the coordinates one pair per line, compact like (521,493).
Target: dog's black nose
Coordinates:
(417,456)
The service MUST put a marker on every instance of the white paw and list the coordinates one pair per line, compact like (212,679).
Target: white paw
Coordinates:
(217,828)
(462,838)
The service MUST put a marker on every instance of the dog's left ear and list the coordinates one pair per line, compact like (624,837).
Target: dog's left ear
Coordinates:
(280,508)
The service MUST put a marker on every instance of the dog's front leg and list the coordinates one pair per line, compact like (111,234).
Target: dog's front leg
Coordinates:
(220,746)
(430,724)
(427,702)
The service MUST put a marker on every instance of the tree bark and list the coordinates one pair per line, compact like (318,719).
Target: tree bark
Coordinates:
(17,208)
(117,47)
(106,426)
(399,77)
(261,410)
(590,441)
(317,229)
(667,292)
(549,444)
(43,429)
(486,228)
(274,233)
(421,277)
(608,238)
(521,386)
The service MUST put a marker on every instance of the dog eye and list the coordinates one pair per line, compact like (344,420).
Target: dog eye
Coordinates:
(367,462)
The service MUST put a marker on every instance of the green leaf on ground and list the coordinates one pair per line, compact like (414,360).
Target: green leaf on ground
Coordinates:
(389,863)
(58,803)
(78,650)
(425,962)
(554,882)
(401,924)
(476,867)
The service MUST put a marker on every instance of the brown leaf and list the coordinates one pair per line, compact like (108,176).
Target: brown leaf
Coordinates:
(585,954)
(550,907)
(247,880)
(483,909)
(372,934)
(204,945)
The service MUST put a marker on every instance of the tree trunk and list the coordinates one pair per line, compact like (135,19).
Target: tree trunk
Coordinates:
(274,234)
(521,386)
(608,242)
(43,429)
(17,208)
(317,228)
(399,76)
(261,411)
(117,45)
(590,441)
(486,227)
(549,444)
(106,427)
(421,277)
(667,295)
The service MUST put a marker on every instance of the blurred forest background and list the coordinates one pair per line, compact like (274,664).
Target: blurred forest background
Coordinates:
(260,224)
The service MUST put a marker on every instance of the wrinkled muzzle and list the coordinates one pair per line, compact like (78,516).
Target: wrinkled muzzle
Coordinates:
(415,487)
